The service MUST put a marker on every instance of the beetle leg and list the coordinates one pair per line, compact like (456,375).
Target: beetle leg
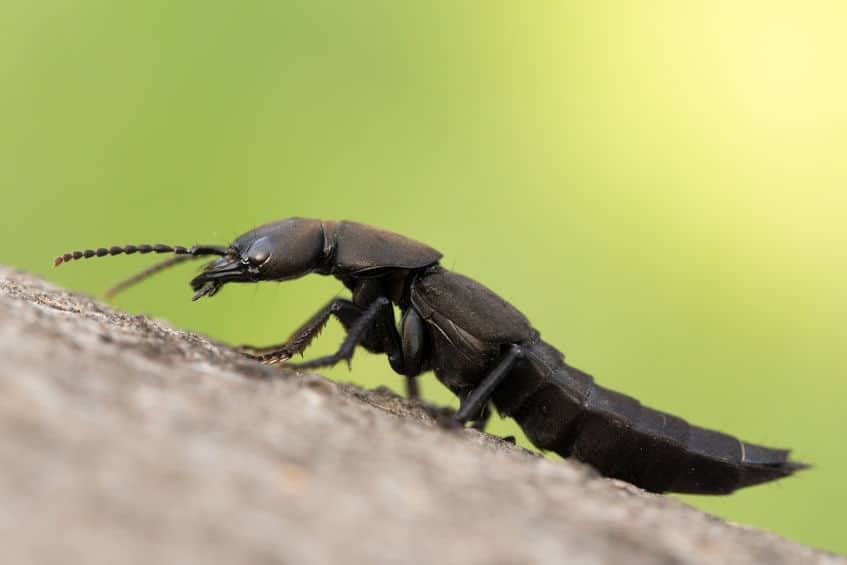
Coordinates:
(473,404)
(413,343)
(368,320)
(345,310)
(413,391)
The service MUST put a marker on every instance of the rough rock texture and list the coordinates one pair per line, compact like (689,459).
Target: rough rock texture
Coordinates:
(127,441)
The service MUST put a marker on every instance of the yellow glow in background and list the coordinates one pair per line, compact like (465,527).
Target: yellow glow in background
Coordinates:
(659,186)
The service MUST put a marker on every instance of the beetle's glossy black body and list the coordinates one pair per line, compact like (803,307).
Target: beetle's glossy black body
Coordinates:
(480,346)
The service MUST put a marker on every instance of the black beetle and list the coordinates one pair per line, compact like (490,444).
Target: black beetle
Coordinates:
(480,346)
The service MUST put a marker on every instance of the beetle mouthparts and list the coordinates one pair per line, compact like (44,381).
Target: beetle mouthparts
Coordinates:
(209,289)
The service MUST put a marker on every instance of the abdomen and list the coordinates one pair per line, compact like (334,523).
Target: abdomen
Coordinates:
(569,414)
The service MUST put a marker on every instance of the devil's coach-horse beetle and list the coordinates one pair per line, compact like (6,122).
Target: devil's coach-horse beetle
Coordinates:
(480,346)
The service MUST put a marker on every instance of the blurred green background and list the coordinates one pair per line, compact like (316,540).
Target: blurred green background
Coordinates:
(659,186)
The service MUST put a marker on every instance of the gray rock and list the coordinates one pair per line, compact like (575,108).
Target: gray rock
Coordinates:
(127,441)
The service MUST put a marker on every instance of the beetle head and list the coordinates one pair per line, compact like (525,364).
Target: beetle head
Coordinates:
(279,251)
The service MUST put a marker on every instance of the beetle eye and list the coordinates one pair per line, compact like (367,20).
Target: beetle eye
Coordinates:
(259,252)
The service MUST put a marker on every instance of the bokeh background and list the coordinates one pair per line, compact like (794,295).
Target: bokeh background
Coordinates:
(659,186)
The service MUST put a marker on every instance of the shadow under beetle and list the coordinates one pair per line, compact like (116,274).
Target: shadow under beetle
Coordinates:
(480,346)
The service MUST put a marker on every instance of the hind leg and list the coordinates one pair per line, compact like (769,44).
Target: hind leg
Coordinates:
(474,405)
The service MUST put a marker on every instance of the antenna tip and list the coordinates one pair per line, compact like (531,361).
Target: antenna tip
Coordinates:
(58,261)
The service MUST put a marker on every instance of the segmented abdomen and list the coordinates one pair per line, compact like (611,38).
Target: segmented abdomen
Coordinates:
(566,412)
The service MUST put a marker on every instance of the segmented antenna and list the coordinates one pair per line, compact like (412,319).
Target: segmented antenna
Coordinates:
(183,254)
(116,250)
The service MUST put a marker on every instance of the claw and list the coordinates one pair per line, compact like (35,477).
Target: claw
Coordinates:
(270,359)
(444,416)
(275,360)
(327,361)
(449,422)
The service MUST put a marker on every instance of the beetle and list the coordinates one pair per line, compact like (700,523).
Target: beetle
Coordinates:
(479,346)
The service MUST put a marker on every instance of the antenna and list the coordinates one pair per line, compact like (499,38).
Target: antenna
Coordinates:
(182,254)
(116,250)
(148,272)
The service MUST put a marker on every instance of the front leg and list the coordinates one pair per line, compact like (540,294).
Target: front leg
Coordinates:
(346,311)
(377,317)
(375,328)
(372,326)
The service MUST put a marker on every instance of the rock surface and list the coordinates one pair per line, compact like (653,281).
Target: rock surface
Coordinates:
(127,441)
